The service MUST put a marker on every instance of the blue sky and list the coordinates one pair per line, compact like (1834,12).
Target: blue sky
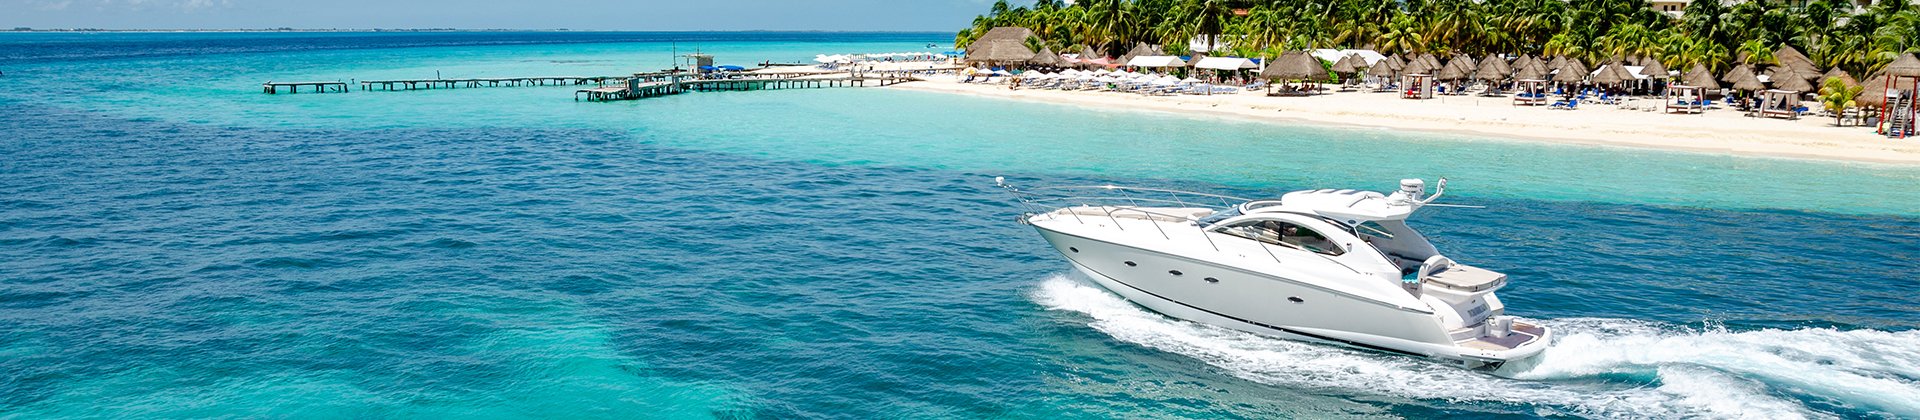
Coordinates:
(641,15)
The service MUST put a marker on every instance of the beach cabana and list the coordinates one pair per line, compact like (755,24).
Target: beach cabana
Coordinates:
(1225,63)
(1533,92)
(1419,86)
(1295,65)
(1685,99)
(1780,103)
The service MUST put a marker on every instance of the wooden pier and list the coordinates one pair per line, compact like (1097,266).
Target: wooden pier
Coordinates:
(638,89)
(294,87)
(423,84)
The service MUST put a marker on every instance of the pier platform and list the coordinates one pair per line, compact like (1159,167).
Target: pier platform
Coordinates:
(271,88)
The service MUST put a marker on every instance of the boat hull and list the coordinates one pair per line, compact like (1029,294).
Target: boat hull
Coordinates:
(1268,305)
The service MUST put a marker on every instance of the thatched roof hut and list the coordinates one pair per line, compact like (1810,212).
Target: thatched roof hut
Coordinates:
(1700,77)
(1394,62)
(1493,68)
(1140,49)
(1432,62)
(1786,78)
(1905,66)
(1530,72)
(1743,78)
(1295,65)
(1345,65)
(1006,44)
(1837,73)
(1789,57)
(1522,62)
(1653,68)
(1086,53)
(1571,71)
(1046,58)
(1453,71)
(1874,92)
(1612,74)
(1557,62)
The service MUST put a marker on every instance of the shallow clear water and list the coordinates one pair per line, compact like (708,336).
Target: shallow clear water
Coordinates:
(174,243)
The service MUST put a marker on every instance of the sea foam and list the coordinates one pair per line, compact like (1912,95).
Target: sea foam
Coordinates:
(1597,367)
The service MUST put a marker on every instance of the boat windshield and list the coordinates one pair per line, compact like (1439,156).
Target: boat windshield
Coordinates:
(1217,216)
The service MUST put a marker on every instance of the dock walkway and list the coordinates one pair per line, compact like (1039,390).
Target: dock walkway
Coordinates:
(294,87)
(422,84)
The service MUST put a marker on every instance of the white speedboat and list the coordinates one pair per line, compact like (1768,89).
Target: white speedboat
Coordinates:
(1335,266)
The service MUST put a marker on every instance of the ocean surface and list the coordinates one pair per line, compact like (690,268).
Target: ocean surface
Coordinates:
(173,243)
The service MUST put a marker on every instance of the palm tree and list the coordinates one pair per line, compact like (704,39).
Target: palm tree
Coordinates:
(1837,97)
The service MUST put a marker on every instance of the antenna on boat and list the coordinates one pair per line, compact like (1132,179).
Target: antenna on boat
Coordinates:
(1413,193)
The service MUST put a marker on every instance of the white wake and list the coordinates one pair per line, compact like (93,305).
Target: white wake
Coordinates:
(1596,367)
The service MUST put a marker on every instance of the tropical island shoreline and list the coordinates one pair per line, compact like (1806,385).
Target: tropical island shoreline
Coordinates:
(1716,133)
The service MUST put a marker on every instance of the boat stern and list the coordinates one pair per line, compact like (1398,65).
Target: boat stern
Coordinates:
(1507,341)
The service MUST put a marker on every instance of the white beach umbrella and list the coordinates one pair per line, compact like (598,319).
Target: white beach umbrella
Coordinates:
(1166,81)
(1190,80)
(1101,72)
(1071,72)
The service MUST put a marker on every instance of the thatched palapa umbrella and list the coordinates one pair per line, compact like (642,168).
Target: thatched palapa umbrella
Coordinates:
(1611,75)
(1652,68)
(1700,77)
(1530,72)
(1837,73)
(1874,92)
(1571,71)
(1452,71)
(1295,65)
(1792,58)
(1557,62)
(1786,78)
(1046,58)
(1744,79)
(1521,63)
(1905,66)
(1345,65)
(1493,68)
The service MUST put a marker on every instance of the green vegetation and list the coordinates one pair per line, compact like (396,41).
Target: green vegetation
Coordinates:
(1709,33)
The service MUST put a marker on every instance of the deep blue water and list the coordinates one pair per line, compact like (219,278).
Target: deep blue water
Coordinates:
(159,267)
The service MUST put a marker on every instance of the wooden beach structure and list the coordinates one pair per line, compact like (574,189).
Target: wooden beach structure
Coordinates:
(650,85)
(272,88)
(424,84)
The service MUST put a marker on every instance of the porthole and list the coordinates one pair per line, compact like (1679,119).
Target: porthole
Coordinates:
(1174,272)
(1131,264)
(1076,250)
(1212,280)
(1296,299)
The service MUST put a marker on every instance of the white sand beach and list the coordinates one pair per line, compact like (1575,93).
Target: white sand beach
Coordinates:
(1716,131)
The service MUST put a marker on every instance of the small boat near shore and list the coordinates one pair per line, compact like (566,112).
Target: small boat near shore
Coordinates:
(1331,265)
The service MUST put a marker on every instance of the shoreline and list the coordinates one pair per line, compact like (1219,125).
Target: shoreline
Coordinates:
(1720,131)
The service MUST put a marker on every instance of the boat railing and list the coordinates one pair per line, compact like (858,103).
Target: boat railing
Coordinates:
(1037,201)
(1114,202)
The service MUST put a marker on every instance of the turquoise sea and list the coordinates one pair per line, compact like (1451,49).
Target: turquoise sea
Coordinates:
(173,243)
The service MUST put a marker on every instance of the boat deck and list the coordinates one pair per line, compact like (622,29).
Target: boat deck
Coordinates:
(1522,333)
